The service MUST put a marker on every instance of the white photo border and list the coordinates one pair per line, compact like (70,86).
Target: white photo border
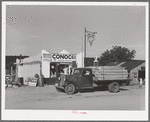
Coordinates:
(68,114)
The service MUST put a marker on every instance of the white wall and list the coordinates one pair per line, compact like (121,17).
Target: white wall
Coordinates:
(45,65)
(46,69)
(80,60)
(31,66)
(28,70)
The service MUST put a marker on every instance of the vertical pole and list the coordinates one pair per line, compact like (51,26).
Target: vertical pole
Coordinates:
(85,43)
(16,77)
(20,58)
(57,65)
(82,58)
(84,46)
(41,66)
(11,73)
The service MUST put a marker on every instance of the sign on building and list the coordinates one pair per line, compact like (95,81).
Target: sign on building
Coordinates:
(46,57)
(63,57)
(32,81)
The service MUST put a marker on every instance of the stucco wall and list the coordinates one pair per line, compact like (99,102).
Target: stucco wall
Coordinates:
(28,70)
(46,69)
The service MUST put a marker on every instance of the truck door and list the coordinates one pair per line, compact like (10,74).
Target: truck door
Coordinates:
(87,79)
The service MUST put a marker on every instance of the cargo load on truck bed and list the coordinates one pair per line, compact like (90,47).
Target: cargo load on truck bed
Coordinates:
(106,73)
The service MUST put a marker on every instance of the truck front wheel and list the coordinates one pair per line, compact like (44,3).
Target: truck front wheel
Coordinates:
(113,87)
(59,90)
(70,89)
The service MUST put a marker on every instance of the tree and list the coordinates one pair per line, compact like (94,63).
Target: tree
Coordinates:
(116,54)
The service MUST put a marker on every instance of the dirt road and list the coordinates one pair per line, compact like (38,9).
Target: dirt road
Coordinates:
(47,98)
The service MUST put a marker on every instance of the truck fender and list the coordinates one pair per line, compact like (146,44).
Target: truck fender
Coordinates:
(69,82)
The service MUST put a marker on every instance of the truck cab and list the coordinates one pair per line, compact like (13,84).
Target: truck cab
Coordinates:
(80,79)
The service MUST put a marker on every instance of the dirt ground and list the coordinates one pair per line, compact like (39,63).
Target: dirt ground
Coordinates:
(47,98)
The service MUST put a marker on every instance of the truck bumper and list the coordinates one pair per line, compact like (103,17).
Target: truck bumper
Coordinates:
(57,86)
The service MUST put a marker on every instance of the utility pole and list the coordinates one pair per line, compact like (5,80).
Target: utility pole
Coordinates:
(84,44)
(88,34)
(82,56)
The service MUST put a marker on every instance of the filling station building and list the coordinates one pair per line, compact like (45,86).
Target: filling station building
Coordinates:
(49,65)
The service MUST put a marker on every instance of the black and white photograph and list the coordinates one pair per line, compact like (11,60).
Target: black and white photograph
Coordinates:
(75,60)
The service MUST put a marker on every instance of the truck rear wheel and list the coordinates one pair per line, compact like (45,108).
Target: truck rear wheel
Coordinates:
(113,87)
(70,89)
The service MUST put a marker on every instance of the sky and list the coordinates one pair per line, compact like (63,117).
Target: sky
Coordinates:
(32,28)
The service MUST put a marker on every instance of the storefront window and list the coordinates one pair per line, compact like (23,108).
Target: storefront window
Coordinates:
(64,68)
(57,68)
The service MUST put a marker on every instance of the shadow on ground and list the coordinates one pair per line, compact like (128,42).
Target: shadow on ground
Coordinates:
(124,89)
(101,89)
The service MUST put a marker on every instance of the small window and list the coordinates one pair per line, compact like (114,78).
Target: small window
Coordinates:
(76,71)
(143,68)
(86,72)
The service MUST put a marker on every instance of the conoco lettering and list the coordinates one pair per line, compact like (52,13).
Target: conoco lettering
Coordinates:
(57,56)
(53,56)
(63,56)
(66,56)
(70,57)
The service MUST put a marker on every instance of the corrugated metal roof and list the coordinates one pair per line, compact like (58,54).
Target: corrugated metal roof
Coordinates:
(132,64)
(129,65)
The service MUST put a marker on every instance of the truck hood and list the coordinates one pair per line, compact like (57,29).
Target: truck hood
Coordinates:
(69,77)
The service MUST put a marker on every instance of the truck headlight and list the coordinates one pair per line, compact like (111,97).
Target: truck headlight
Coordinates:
(56,84)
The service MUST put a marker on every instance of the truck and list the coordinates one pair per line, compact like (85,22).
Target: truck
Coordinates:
(109,77)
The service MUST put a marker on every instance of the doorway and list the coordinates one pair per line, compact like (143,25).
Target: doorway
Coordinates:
(141,74)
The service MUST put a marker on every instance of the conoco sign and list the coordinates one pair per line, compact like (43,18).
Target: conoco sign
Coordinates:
(63,57)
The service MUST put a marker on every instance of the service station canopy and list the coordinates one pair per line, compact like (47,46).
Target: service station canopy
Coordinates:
(56,57)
